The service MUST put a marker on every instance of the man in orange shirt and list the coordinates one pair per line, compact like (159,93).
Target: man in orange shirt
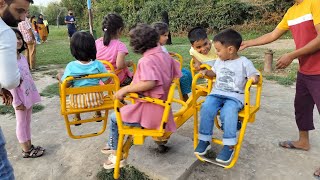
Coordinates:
(303,20)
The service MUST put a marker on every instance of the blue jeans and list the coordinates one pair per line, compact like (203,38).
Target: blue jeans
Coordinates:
(6,171)
(114,134)
(229,108)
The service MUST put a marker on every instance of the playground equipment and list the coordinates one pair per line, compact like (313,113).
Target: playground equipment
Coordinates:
(247,115)
(113,70)
(67,110)
(137,135)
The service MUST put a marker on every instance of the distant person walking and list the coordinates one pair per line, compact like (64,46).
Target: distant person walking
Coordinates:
(43,31)
(70,20)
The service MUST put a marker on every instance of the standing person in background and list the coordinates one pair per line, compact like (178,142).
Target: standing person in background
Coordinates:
(11,12)
(70,20)
(34,26)
(43,31)
(303,20)
(28,36)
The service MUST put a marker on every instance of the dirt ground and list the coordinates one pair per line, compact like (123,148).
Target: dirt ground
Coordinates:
(260,157)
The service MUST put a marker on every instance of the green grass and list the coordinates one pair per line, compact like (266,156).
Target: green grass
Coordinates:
(57,52)
(126,173)
(51,90)
(9,109)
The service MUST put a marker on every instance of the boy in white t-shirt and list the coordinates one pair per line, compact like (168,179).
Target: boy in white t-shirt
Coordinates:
(232,72)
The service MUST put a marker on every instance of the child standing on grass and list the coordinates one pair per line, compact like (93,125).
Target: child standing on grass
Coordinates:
(83,49)
(110,48)
(186,79)
(24,97)
(155,73)
(202,50)
(232,72)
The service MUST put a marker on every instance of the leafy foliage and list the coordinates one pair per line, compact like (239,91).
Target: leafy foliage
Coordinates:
(54,11)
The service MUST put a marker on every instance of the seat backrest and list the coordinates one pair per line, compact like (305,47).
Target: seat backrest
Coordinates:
(112,68)
(65,90)
(178,58)
(167,109)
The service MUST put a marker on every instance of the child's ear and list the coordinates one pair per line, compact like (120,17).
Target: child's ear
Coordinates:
(231,49)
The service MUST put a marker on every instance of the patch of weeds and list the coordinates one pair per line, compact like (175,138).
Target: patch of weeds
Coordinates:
(286,81)
(9,109)
(128,172)
(51,90)
(51,73)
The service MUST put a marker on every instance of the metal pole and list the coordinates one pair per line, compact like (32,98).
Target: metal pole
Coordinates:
(90,17)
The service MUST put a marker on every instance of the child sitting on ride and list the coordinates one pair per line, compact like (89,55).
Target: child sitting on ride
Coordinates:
(232,72)
(155,73)
(110,48)
(202,50)
(83,49)
(186,79)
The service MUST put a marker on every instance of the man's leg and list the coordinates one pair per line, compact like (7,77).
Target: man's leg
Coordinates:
(303,105)
(6,171)
(32,55)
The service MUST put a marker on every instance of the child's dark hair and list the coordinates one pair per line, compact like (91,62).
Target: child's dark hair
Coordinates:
(196,34)
(161,27)
(229,37)
(83,46)
(143,37)
(24,44)
(110,26)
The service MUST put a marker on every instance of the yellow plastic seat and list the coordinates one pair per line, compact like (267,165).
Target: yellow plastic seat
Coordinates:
(138,134)
(247,115)
(107,105)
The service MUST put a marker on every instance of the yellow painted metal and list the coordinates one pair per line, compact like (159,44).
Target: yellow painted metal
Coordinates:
(67,111)
(246,115)
(178,58)
(112,69)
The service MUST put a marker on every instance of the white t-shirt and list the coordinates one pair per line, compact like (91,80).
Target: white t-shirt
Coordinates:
(9,72)
(232,76)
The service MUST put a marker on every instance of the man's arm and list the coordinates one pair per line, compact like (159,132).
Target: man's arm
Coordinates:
(265,39)
(309,48)
(9,72)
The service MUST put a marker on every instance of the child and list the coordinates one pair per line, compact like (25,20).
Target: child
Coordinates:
(232,72)
(186,79)
(83,49)
(111,49)
(24,97)
(201,49)
(153,78)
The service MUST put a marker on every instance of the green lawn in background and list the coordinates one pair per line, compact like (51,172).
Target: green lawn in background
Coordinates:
(57,52)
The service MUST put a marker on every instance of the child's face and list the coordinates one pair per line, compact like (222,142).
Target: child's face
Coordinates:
(163,38)
(202,46)
(19,41)
(224,52)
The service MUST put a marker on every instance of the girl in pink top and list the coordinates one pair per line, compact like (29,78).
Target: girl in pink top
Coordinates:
(110,48)
(153,78)
(24,97)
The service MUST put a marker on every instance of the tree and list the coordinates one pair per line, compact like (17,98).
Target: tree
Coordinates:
(34,10)
(53,13)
